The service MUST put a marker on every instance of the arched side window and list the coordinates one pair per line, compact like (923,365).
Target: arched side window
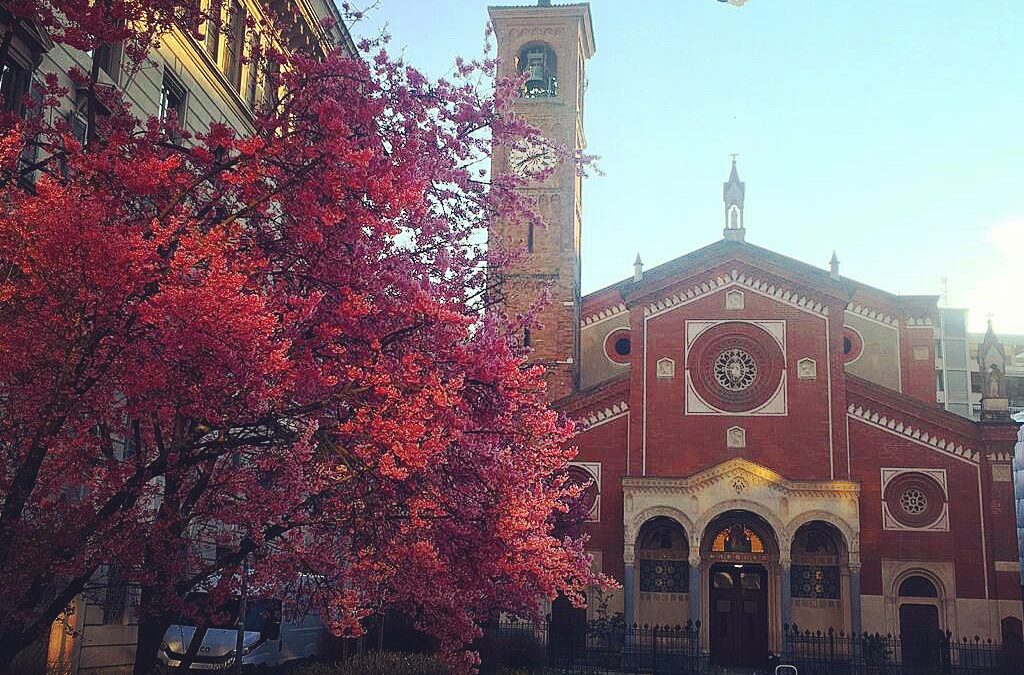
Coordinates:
(538,61)
(663,557)
(814,573)
(918,587)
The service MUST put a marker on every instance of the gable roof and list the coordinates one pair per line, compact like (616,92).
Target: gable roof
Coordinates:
(724,250)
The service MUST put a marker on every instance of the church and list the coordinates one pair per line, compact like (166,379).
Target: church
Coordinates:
(760,436)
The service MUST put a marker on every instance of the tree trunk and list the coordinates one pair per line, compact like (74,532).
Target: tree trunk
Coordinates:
(193,648)
(152,626)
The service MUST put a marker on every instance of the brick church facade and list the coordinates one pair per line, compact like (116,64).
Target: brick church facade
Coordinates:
(761,436)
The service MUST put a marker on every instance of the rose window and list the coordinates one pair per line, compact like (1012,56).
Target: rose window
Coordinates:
(914,501)
(735,369)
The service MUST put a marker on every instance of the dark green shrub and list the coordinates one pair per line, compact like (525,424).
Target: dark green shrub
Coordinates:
(515,649)
(378,663)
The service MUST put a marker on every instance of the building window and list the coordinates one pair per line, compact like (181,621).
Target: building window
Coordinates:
(663,557)
(529,237)
(957,386)
(914,500)
(109,59)
(956,354)
(737,538)
(213,28)
(527,338)
(234,43)
(14,85)
(173,99)
(538,63)
(115,597)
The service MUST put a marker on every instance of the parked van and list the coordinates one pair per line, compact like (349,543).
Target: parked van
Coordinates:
(269,639)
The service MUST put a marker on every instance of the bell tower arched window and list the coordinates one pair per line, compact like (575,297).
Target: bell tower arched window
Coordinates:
(537,60)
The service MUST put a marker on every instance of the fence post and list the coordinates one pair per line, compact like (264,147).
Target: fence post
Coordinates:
(654,647)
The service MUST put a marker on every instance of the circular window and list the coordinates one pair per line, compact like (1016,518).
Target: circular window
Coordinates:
(735,366)
(735,369)
(853,344)
(588,497)
(914,499)
(618,345)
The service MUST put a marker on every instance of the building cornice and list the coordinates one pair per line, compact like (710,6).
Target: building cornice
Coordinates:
(735,278)
(914,434)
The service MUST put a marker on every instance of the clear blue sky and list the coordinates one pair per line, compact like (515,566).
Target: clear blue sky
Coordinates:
(889,130)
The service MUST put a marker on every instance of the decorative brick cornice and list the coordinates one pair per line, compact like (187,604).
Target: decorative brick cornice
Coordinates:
(873,314)
(734,278)
(919,321)
(913,433)
(742,475)
(600,417)
(607,313)
(1000,456)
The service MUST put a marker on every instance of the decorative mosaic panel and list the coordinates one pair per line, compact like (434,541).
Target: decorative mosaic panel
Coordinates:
(664,576)
(814,581)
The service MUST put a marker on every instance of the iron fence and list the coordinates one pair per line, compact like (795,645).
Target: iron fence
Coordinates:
(596,649)
(835,653)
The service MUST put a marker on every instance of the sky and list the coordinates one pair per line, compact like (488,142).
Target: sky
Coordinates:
(890,131)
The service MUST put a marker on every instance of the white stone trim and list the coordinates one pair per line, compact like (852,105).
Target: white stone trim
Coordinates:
(604,314)
(1007,566)
(891,522)
(1000,456)
(732,279)
(873,314)
(916,321)
(914,434)
(594,469)
(599,417)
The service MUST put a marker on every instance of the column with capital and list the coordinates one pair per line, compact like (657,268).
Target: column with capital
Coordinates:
(855,619)
(694,585)
(629,582)
(785,592)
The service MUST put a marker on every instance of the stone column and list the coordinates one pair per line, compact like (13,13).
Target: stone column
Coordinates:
(629,594)
(785,595)
(695,583)
(855,620)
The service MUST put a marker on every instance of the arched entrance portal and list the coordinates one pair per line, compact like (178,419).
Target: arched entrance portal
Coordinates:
(741,555)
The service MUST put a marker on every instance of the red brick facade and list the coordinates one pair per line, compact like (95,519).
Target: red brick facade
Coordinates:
(745,416)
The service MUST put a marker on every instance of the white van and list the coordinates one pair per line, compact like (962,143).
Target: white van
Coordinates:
(268,640)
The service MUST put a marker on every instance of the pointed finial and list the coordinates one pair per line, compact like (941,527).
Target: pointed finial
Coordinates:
(833,266)
(733,192)
(638,268)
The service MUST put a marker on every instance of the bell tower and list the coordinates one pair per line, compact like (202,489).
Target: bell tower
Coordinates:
(548,46)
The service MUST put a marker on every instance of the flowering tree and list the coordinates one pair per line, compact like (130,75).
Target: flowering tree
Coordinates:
(275,343)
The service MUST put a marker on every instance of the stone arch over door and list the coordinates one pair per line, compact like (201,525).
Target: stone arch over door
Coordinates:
(769,516)
(739,577)
(921,620)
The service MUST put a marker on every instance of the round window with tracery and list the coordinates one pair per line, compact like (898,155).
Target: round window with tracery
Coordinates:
(735,366)
(915,499)
(735,369)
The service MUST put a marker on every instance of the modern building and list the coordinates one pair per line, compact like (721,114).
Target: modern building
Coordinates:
(958,382)
(762,436)
(202,82)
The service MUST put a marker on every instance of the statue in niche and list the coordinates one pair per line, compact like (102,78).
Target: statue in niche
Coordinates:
(994,383)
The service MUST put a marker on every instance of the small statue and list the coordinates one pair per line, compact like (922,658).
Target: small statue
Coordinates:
(994,383)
